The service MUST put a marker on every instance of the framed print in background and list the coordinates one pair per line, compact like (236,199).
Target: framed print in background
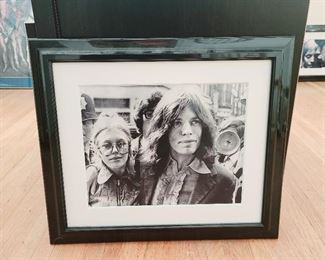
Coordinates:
(208,165)
(312,64)
(15,70)
(313,54)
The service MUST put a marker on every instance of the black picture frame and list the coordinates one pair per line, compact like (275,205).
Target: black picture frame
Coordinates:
(172,19)
(315,28)
(277,49)
(320,75)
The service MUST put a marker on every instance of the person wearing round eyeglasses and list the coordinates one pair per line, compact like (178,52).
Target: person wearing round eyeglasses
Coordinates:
(111,179)
(177,157)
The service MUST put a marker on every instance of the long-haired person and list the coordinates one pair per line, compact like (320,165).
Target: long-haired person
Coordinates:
(310,53)
(143,117)
(111,179)
(177,155)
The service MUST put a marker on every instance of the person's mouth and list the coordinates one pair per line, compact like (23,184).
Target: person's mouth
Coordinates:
(187,141)
(115,158)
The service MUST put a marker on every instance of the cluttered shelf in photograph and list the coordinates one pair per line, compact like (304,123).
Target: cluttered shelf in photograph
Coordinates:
(162,138)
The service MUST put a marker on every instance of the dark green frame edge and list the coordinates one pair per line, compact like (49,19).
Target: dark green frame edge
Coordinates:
(44,52)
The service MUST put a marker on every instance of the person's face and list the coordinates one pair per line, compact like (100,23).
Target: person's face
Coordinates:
(113,147)
(87,127)
(147,115)
(311,53)
(185,133)
(321,56)
(309,58)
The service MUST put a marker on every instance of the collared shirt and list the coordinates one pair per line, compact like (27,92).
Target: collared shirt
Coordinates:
(177,186)
(108,189)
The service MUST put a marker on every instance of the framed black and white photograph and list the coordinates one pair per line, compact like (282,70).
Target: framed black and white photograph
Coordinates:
(313,53)
(312,64)
(215,121)
(151,139)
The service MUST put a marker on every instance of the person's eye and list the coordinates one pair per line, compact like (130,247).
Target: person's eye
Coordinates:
(120,144)
(107,146)
(148,114)
(308,56)
(177,124)
(195,122)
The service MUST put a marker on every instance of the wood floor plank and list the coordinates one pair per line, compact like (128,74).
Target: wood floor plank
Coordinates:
(23,221)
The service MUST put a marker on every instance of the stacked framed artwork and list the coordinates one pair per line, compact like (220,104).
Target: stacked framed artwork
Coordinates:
(170,132)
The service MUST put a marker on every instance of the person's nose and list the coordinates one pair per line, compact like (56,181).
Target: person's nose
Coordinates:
(114,149)
(186,129)
(312,59)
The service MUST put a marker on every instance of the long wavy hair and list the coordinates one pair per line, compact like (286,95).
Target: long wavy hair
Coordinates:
(146,104)
(155,149)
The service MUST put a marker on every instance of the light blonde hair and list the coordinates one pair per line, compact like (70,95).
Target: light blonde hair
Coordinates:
(107,121)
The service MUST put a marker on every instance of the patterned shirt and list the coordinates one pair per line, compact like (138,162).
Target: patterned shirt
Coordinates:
(177,186)
(108,189)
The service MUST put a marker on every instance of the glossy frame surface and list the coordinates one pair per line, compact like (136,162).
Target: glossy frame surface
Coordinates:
(46,51)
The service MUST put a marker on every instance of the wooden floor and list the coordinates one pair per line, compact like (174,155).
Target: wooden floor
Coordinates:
(23,226)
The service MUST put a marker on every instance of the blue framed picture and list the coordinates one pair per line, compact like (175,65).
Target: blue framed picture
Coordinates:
(15,71)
